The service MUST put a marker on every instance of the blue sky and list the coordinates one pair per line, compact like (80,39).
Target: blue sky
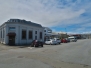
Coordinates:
(72,16)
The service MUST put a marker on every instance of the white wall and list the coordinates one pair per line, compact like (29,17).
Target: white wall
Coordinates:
(47,31)
(2,40)
(18,31)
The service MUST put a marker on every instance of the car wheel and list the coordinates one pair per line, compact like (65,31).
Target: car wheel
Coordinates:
(35,46)
(32,46)
(42,46)
(50,44)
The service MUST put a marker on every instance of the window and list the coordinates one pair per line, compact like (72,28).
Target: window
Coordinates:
(40,35)
(11,28)
(11,20)
(49,31)
(35,32)
(44,30)
(48,40)
(35,37)
(58,39)
(30,35)
(1,34)
(14,20)
(23,34)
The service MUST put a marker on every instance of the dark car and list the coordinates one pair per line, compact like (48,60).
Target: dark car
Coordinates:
(36,43)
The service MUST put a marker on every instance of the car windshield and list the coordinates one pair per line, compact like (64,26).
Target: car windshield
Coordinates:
(48,40)
(71,38)
(58,39)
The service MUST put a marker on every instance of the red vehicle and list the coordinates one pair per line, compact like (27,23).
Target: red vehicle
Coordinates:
(64,41)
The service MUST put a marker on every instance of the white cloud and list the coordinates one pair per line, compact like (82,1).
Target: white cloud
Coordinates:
(86,25)
(44,12)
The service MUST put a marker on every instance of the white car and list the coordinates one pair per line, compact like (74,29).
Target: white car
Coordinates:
(58,40)
(51,42)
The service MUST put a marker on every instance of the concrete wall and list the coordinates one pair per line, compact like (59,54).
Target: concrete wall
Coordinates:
(47,31)
(2,39)
(18,31)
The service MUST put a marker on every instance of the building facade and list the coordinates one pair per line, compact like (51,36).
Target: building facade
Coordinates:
(47,33)
(78,36)
(18,32)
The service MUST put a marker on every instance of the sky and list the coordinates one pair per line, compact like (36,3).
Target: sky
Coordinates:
(71,16)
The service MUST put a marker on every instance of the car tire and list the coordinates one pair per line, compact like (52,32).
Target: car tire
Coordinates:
(35,46)
(42,46)
(32,45)
(50,44)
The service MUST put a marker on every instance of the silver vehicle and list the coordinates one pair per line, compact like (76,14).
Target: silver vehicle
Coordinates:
(58,40)
(68,40)
(51,42)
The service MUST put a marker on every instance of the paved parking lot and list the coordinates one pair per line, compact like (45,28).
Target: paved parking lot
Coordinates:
(67,55)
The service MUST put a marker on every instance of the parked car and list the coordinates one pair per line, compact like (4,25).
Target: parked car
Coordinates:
(51,41)
(73,39)
(64,41)
(58,40)
(68,40)
(36,43)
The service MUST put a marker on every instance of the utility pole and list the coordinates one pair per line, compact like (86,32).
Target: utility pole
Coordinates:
(66,32)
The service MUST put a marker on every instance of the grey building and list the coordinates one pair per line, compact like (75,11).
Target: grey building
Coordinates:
(16,31)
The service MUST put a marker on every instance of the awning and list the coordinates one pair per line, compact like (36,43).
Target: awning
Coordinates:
(11,34)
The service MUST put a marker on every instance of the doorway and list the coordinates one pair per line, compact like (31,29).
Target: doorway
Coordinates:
(11,40)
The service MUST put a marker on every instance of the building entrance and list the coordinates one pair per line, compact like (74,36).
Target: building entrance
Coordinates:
(11,40)
(11,37)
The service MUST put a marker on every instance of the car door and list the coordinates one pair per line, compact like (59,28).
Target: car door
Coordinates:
(48,41)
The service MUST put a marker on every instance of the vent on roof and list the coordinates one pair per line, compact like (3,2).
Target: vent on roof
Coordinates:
(24,22)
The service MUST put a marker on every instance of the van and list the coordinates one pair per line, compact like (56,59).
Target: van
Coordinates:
(72,39)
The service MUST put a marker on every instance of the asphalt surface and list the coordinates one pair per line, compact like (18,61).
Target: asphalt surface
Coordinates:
(67,55)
